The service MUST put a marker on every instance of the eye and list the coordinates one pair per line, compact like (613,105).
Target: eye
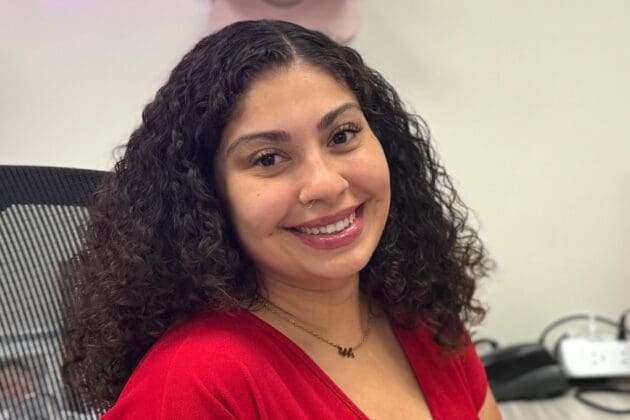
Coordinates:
(345,134)
(267,159)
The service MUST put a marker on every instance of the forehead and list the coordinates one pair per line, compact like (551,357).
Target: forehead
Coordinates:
(295,93)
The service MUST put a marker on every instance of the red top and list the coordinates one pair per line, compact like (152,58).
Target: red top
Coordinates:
(225,366)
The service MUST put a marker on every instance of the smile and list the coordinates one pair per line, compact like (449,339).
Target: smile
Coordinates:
(330,228)
(333,231)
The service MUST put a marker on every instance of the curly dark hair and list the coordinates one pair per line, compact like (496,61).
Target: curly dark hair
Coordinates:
(159,245)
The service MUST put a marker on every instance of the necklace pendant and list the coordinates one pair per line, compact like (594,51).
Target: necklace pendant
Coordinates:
(345,351)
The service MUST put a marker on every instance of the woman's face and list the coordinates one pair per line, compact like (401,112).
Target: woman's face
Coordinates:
(305,179)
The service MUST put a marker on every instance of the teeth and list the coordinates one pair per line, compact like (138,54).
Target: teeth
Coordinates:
(328,229)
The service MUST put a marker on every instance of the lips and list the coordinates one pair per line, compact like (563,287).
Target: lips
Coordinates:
(332,231)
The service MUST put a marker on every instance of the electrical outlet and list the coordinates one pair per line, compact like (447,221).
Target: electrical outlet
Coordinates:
(594,358)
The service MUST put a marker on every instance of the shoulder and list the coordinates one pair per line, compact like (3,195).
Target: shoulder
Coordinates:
(204,365)
(474,372)
(460,373)
(210,340)
(228,334)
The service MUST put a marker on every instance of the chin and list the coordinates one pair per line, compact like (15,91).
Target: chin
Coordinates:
(340,269)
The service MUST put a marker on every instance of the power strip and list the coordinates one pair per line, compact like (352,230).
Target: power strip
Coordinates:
(592,358)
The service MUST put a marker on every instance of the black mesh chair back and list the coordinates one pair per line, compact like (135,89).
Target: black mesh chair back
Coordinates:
(42,210)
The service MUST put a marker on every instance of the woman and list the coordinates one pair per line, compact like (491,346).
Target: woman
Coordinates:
(278,241)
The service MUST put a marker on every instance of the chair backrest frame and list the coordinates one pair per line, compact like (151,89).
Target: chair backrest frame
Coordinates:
(42,213)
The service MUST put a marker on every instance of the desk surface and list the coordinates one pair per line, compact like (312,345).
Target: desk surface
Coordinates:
(566,407)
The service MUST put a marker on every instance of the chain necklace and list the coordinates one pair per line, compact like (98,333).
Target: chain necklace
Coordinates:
(290,318)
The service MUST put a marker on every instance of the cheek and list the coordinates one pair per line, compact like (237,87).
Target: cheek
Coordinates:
(373,172)
(257,206)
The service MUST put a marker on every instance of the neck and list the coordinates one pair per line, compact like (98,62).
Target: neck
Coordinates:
(338,313)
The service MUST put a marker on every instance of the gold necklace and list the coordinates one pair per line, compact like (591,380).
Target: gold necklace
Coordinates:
(290,318)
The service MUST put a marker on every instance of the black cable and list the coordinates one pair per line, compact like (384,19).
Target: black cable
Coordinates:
(579,395)
(573,317)
(622,334)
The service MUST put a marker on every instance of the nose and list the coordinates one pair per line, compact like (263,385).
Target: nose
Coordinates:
(322,180)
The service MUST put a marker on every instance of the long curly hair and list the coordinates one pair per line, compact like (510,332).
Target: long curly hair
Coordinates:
(159,247)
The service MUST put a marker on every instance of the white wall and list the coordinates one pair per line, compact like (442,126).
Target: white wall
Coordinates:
(527,101)
(75,74)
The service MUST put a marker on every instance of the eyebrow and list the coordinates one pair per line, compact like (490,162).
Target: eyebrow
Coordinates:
(330,117)
(283,136)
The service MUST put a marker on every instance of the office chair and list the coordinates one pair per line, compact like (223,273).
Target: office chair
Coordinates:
(42,210)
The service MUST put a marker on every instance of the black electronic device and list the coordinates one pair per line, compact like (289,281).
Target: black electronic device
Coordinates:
(524,372)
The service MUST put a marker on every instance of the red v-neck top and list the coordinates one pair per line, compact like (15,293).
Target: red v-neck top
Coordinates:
(225,366)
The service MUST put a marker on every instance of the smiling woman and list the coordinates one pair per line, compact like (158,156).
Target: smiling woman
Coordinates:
(278,241)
